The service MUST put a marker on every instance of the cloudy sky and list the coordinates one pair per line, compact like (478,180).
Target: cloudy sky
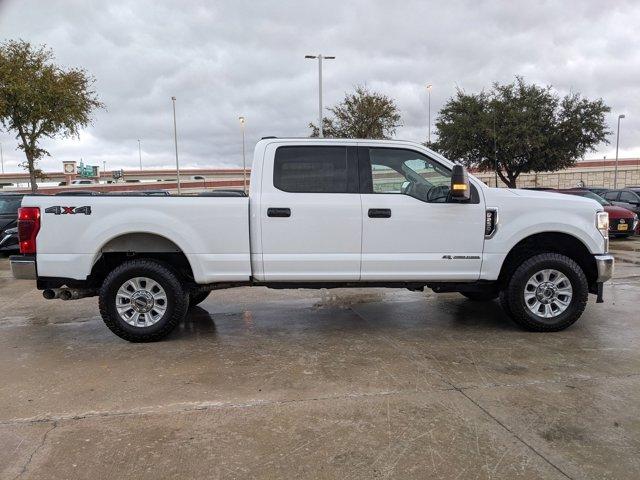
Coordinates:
(223,59)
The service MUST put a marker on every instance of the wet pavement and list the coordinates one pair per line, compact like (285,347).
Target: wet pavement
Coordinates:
(322,384)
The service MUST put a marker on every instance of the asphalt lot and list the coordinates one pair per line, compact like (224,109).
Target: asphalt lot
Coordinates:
(322,384)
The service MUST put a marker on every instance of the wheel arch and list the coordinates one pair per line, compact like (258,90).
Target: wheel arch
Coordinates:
(550,242)
(125,246)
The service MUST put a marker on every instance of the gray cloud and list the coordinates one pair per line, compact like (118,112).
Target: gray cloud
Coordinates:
(231,58)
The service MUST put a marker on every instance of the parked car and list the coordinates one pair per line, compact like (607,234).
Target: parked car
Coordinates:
(142,193)
(622,222)
(79,193)
(9,204)
(597,190)
(628,198)
(83,181)
(321,213)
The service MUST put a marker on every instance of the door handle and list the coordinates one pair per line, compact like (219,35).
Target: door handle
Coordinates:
(379,213)
(278,212)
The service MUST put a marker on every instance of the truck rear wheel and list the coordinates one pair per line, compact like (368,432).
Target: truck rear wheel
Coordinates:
(142,300)
(547,293)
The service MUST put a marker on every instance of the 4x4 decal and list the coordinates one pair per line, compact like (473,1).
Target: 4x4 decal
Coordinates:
(68,210)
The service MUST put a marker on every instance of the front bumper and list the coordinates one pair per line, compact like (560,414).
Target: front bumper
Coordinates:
(23,267)
(605,264)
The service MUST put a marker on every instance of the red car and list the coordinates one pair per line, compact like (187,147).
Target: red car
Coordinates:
(622,222)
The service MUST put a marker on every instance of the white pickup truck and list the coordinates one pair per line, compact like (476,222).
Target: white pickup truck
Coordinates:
(320,214)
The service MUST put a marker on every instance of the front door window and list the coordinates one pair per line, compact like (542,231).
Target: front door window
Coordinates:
(410,173)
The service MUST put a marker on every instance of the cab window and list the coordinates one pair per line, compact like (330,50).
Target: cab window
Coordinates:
(407,172)
(316,169)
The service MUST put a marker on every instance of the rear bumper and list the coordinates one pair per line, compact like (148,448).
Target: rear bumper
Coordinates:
(23,267)
(605,264)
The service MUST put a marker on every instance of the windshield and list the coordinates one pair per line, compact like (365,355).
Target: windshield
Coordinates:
(595,197)
(9,205)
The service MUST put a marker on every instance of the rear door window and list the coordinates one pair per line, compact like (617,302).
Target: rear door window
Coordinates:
(316,169)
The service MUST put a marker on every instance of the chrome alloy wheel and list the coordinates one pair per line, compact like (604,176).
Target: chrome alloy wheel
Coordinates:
(548,293)
(141,301)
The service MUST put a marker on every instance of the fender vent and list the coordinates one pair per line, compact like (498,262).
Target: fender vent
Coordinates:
(490,222)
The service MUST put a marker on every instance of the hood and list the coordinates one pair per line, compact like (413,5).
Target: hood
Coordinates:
(618,212)
(562,198)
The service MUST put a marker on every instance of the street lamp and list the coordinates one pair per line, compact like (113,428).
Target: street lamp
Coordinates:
(320,57)
(429,115)
(244,162)
(175,141)
(615,174)
(139,154)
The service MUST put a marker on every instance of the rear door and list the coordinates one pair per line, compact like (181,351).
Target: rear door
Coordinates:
(310,212)
(411,229)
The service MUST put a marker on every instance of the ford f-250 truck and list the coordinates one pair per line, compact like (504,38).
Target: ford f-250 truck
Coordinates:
(320,214)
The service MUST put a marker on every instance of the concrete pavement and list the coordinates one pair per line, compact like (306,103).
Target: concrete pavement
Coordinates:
(322,384)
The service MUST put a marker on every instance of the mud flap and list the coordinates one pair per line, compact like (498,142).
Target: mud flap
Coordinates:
(599,298)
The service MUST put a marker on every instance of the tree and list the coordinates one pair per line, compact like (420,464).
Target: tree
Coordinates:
(518,128)
(39,99)
(363,114)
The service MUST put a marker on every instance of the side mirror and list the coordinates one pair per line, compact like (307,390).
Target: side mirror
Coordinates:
(460,189)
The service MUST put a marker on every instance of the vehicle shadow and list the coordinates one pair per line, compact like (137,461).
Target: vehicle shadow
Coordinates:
(485,315)
(198,322)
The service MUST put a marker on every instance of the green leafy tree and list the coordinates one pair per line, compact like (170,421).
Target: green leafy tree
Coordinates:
(39,99)
(362,114)
(521,128)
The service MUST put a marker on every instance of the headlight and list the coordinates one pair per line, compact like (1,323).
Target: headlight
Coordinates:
(635,222)
(602,222)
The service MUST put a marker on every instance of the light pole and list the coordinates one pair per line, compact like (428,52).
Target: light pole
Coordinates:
(604,168)
(1,158)
(615,174)
(244,162)
(175,141)
(140,154)
(429,114)
(320,57)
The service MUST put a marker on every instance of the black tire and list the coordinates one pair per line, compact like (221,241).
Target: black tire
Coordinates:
(513,295)
(480,296)
(177,301)
(198,298)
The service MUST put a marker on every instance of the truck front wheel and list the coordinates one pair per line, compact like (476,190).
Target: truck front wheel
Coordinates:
(142,300)
(546,293)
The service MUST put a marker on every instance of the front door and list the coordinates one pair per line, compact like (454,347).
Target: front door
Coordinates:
(412,230)
(311,215)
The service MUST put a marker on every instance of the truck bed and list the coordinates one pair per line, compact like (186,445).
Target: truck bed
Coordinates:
(212,232)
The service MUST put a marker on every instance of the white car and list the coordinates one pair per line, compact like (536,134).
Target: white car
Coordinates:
(321,213)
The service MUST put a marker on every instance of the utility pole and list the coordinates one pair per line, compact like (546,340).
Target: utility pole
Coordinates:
(429,114)
(175,141)
(244,162)
(495,148)
(615,174)
(320,57)
(140,154)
